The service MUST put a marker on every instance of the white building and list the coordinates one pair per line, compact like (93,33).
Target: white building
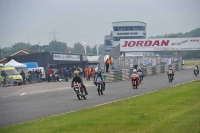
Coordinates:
(124,30)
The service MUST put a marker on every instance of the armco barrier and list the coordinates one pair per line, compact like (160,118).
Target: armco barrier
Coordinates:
(158,69)
(125,74)
(149,71)
(144,71)
(162,69)
(166,68)
(153,70)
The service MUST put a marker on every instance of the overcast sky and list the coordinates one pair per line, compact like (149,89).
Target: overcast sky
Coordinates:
(74,21)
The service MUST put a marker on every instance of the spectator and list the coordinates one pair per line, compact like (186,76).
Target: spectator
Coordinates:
(23,76)
(4,76)
(108,62)
(48,74)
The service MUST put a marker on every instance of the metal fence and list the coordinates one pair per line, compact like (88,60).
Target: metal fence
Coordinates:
(143,61)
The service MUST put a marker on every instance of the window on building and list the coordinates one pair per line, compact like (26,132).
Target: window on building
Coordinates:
(115,28)
(107,50)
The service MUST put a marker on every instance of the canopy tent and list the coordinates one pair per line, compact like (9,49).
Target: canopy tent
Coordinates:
(16,64)
(92,59)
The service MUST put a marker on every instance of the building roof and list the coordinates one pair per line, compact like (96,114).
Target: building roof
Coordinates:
(24,51)
(2,59)
(128,21)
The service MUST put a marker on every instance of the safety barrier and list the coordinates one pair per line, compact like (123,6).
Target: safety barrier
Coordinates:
(149,71)
(33,78)
(125,74)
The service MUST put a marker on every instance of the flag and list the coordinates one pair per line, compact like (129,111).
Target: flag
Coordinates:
(84,46)
(97,48)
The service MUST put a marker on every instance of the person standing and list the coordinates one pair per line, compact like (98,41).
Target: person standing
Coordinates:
(93,71)
(48,74)
(108,62)
(23,76)
(4,75)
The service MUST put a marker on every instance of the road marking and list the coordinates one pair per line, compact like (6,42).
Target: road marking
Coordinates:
(47,90)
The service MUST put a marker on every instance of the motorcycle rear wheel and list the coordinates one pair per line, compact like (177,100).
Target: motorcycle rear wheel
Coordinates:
(99,91)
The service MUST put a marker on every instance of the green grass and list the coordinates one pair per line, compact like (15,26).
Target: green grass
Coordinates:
(191,62)
(171,110)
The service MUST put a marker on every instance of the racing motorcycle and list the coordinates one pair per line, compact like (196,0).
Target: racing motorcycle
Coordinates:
(80,92)
(134,84)
(170,76)
(195,71)
(99,86)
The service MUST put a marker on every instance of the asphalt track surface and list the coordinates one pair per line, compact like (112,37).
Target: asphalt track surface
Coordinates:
(25,103)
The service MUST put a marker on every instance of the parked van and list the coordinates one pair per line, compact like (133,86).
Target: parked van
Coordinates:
(12,73)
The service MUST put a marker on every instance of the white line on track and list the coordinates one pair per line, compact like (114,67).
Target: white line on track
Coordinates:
(47,90)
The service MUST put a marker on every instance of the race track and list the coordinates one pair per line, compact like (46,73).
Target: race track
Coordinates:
(29,102)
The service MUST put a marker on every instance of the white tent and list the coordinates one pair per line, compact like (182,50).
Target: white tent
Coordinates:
(16,64)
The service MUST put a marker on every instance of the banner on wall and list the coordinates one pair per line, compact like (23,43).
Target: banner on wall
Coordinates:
(165,44)
(66,57)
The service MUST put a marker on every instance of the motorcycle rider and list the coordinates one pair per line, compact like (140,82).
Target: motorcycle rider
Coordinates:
(140,72)
(135,76)
(197,68)
(170,71)
(102,79)
(77,78)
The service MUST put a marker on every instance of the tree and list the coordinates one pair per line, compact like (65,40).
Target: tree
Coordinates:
(89,50)
(19,46)
(94,50)
(57,46)
(78,49)
(102,49)
(36,47)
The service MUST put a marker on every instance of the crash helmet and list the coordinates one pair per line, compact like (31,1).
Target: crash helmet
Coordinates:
(75,73)
(134,71)
(170,68)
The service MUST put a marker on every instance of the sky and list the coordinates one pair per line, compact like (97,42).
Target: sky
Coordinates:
(40,21)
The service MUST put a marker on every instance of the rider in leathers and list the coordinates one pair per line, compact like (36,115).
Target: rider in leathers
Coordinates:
(78,79)
(197,68)
(135,76)
(102,79)
(140,71)
(170,70)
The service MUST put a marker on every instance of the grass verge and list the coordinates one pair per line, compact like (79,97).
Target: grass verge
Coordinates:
(191,62)
(172,110)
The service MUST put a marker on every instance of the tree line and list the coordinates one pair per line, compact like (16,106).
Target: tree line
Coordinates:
(79,49)
(55,46)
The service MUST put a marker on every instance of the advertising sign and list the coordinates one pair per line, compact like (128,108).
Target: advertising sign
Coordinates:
(166,60)
(66,57)
(165,44)
(169,61)
(145,62)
